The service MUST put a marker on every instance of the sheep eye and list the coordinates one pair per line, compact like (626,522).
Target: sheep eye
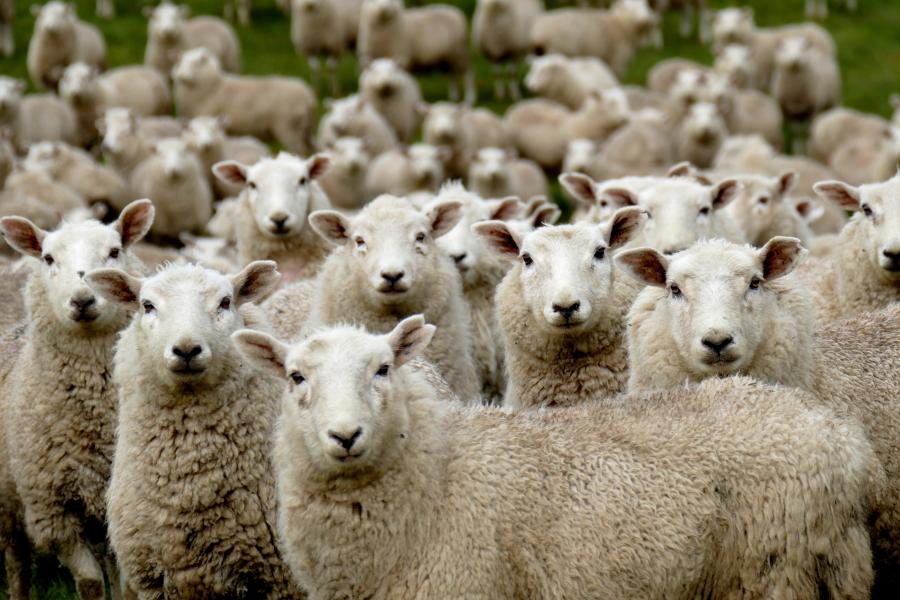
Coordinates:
(704,211)
(604,203)
(148,307)
(675,291)
(599,253)
(360,243)
(303,181)
(867,210)
(114,253)
(297,378)
(225,304)
(649,214)
(252,185)
(420,237)
(526,258)
(382,371)
(754,283)
(48,259)
(763,199)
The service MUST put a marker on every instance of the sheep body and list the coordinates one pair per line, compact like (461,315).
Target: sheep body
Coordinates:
(568,81)
(171,33)
(395,94)
(345,181)
(77,170)
(34,117)
(496,174)
(418,168)
(464,131)
(833,128)
(354,117)
(60,39)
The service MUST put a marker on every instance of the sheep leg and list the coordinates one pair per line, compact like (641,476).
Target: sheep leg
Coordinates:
(687,20)
(703,22)
(229,10)
(453,89)
(513,81)
(468,78)
(117,586)
(7,43)
(86,572)
(851,5)
(811,9)
(105,9)
(499,90)
(315,74)
(17,556)
(244,12)
(331,66)
(823,9)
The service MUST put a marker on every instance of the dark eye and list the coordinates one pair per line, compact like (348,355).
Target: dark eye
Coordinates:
(675,291)
(297,378)
(754,283)
(604,203)
(420,237)
(599,253)
(649,214)
(382,371)
(360,243)
(763,199)
(252,185)
(48,259)
(302,181)
(867,210)
(526,258)
(225,304)
(114,253)
(704,211)
(148,307)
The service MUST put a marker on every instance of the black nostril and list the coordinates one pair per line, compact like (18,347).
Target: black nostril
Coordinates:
(81,274)
(82,303)
(346,442)
(187,353)
(895,256)
(717,345)
(567,311)
(279,223)
(393,277)
(458,258)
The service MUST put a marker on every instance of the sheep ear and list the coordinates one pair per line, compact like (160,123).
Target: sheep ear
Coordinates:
(231,171)
(786,181)
(545,215)
(844,195)
(808,211)
(23,235)
(261,350)
(779,256)
(116,286)
(619,196)
(505,208)
(625,223)
(645,265)
(318,165)
(331,225)
(444,216)
(256,281)
(580,188)
(500,237)
(135,221)
(410,338)
(682,169)
(724,192)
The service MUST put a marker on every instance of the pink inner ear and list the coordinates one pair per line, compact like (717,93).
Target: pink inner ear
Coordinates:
(502,240)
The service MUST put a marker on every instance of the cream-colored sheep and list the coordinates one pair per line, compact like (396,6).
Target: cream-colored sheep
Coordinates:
(60,39)
(345,180)
(77,170)
(354,117)
(277,109)
(583,156)
(764,209)
(270,219)
(324,29)
(7,40)
(386,266)
(561,309)
(418,168)
(663,75)
(700,134)
(194,440)
(640,147)
(735,63)
(395,94)
(37,188)
(746,112)
(210,252)
(35,117)
(496,173)
(568,81)
(595,201)
(205,137)
(833,128)
(501,31)
(60,429)
(863,159)
(123,145)
(729,476)
(464,131)
(721,309)
(170,32)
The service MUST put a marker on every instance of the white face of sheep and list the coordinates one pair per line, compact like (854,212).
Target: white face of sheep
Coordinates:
(390,242)
(581,154)
(704,125)
(351,154)
(427,165)
(186,315)
(343,407)
(719,297)
(599,201)
(167,22)
(204,133)
(442,125)
(758,198)
(793,54)
(55,18)
(878,206)
(174,157)
(119,125)
(489,169)
(383,12)
(381,79)
(79,83)
(566,271)
(543,71)
(10,97)
(639,12)
(280,190)
(735,64)
(65,255)
(690,86)
(196,66)
(42,156)
(733,26)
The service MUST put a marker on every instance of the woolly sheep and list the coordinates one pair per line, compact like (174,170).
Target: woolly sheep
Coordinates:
(37,188)
(496,173)
(747,112)
(173,176)
(640,147)
(863,159)
(345,180)
(417,38)
(721,309)
(664,74)
(354,117)
(386,266)
(194,438)
(464,131)
(833,128)
(7,40)
(170,33)
(324,29)
(700,134)
(500,31)
(361,433)
(395,94)
(122,144)
(538,212)
(419,168)
(763,209)
(595,201)
(35,117)
(205,137)
(269,108)
(270,218)
(561,310)
(60,39)
(583,156)
(568,81)
(60,429)
(210,252)
(76,169)
(735,63)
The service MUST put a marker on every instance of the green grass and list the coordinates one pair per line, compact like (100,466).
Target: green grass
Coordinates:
(868,42)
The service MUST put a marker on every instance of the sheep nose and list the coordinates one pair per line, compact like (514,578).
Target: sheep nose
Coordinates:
(717,345)
(346,441)
(892,255)
(392,278)
(567,311)
(279,219)
(187,352)
(83,303)
(458,258)
(81,274)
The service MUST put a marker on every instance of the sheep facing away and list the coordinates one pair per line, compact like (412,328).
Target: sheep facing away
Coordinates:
(729,472)
(60,39)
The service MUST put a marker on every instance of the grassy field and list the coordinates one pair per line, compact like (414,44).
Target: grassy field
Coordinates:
(868,43)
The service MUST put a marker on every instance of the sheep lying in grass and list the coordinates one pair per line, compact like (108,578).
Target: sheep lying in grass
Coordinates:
(35,117)
(354,117)
(60,430)
(508,504)
(170,33)
(464,131)
(270,219)
(497,173)
(721,309)
(561,309)
(386,265)
(60,39)
(192,467)
(501,31)
(395,94)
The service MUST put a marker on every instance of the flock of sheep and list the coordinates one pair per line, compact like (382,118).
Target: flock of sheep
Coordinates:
(371,368)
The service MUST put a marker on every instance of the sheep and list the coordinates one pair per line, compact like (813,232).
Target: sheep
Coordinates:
(663,75)
(210,252)
(240,10)
(123,146)
(205,137)
(269,108)
(721,309)
(193,443)
(640,147)
(60,39)
(583,156)
(354,117)
(173,176)
(596,202)
(763,209)
(495,173)
(819,8)
(735,63)
(386,266)
(7,39)
(538,212)
(60,429)
(324,29)
(611,36)
(568,81)
(500,31)
(37,188)
(468,489)
(700,134)
(464,131)
(417,38)
(170,33)
(77,170)
(833,128)
(270,218)
(747,112)
(395,94)
(863,159)
(345,180)
(35,117)
(419,168)
(863,272)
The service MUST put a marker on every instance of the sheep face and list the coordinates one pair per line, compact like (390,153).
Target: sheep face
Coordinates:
(704,126)
(79,84)
(793,54)
(186,315)
(488,172)
(443,125)
(350,154)
(544,71)
(175,159)
(690,86)
(119,127)
(10,98)
(878,208)
(639,13)
(167,22)
(426,163)
(68,253)
(390,243)
(733,26)
(55,19)
(581,154)
(756,203)
(682,212)
(735,64)
(196,67)
(598,201)
(280,190)
(383,12)
(205,134)
(720,300)
(381,79)
(344,410)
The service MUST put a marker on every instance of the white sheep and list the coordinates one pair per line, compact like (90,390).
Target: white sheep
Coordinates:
(192,468)
(583,156)
(567,80)
(640,147)
(735,63)
(700,134)
(665,73)
(595,201)
(60,39)
(238,10)
(417,38)
(386,266)
(498,173)
(345,180)
(173,176)
(36,188)
(561,310)
(60,429)
(205,137)
(864,159)
(833,128)
(211,252)
(34,117)
(270,108)
(354,117)
(764,209)
(324,29)
(7,39)
(418,168)
(395,94)
(123,145)
(509,503)
(464,131)
(270,218)
(170,32)
(501,31)
(76,169)
(746,111)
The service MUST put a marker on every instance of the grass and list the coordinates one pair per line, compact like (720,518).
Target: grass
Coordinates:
(869,52)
